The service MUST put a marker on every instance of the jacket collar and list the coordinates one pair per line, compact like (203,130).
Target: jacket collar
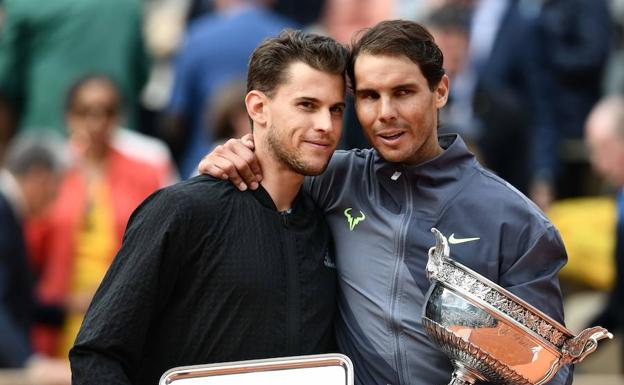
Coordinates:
(442,166)
(434,182)
(263,197)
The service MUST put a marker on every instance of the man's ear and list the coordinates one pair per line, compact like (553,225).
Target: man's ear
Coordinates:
(257,107)
(442,91)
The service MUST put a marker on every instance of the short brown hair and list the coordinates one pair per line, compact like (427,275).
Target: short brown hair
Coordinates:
(270,60)
(401,38)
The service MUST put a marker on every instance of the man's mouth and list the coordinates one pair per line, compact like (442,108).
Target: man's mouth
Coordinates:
(390,136)
(319,143)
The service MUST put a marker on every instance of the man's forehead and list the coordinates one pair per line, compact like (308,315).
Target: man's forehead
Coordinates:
(383,69)
(382,56)
(303,81)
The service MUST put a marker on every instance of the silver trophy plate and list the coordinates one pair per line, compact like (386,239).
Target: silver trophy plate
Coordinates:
(329,369)
(489,333)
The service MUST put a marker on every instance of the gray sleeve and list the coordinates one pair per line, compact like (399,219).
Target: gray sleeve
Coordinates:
(325,189)
(534,277)
(534,273)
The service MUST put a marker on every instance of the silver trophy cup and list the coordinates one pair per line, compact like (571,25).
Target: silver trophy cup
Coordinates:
(491,334)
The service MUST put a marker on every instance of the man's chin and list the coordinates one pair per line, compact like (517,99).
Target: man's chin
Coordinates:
(392,156)
(315,166)
(314,171)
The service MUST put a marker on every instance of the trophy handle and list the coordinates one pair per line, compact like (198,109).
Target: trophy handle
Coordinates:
(437,255)
(576,349)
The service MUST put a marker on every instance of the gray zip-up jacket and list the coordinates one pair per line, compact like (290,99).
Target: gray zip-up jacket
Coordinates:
(381,214)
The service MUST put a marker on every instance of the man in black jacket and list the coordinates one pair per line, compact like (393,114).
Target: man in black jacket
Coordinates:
(240,275)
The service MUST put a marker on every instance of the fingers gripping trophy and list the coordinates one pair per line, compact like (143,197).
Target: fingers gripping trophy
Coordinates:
(492,335)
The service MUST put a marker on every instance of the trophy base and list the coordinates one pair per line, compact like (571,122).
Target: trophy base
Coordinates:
(471,362)
(464,376)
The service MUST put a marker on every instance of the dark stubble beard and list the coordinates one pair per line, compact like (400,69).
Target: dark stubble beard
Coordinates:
(291,159)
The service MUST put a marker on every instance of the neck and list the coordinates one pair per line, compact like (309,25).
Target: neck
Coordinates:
(428,151)
(281,182)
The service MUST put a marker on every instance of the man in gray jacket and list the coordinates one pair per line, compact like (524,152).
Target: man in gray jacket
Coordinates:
(381,204)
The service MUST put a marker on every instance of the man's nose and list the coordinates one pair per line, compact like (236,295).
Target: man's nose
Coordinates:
(323,121)
(387,110)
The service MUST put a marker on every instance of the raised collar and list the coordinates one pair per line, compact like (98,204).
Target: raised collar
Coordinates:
(263,197)
(431,184)
(442,166)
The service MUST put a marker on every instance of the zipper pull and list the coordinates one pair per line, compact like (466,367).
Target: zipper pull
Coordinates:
(285,215)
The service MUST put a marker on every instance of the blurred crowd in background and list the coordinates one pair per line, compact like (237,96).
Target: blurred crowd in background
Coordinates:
(103,102)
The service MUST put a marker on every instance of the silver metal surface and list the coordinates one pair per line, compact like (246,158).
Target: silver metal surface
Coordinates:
(330,369)
(491,334)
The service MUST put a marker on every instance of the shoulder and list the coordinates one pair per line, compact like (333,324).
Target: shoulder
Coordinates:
(347,170)
(193,202)
(343,164)
(501,206)
(201,190)
(354,160)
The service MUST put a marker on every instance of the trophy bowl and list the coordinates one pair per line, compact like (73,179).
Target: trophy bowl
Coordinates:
(489,333)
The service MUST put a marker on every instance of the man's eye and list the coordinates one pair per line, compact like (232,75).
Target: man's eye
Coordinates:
(404,92)
(306,105)
(367,96)
(337,110)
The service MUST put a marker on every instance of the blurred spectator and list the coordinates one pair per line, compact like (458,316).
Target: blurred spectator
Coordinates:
(450,26)
(228,114)
(303,12)
(146,149)
(46,45)
(83,230)
(509,98)
(215,51)
(604,136)
(614,79)
(341,19)
(576,41)
(27,185)
(417,10)
(7,125)
(197,9)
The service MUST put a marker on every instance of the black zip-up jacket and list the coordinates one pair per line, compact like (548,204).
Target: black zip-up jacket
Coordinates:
(209,274)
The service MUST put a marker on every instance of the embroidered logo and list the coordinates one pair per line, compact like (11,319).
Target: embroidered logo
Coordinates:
(455,241)
(353,221)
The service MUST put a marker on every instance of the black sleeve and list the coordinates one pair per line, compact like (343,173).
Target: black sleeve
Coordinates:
(110,343)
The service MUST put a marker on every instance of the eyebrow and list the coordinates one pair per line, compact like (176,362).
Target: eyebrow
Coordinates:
(316,101)
(397,87)
(405,85)
(307,99)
